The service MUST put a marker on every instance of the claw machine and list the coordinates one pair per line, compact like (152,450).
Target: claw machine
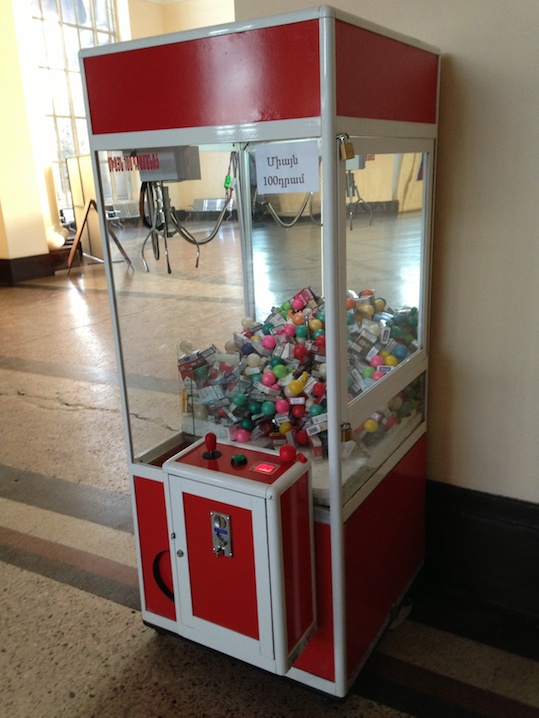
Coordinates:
(274,185)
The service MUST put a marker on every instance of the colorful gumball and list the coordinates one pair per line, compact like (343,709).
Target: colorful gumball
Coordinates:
(367,372)
(407,338)
(240,399)
(268,408)
(280,371)
(254,359)
(316,410)
(302,331)
(319,389)
(301,352)
(315,324)
(290,330)
(254,407)
(297,304)
(268,378)
(377,361)
(378,375)
(298,410)
(392,360)
(298,318)
(282,406)
(367,309)
(302,438)
(269,342)
(372,426)
(247,322)
(296,386)
(243,436)
(400,351)
(285,427)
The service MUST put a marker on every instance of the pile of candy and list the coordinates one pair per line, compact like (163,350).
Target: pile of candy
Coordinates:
(270,379)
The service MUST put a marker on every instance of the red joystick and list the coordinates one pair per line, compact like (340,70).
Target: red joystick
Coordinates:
(211,444)
(287,452)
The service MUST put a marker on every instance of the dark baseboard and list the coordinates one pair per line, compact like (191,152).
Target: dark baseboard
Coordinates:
(484,545)
(14,271)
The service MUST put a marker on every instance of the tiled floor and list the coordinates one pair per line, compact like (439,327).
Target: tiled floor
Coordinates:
(72,640)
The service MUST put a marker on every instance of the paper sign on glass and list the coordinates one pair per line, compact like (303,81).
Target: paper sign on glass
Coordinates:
(285,167)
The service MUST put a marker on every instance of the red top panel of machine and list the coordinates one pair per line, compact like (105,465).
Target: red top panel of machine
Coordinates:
(259,75)
(259,466)
(378,77)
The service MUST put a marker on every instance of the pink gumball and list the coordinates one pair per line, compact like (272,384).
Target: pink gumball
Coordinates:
(269,341)
(243,436)
(290,330)
(378,375)
(377,360)
(282,406)
(268,378)
(297,304)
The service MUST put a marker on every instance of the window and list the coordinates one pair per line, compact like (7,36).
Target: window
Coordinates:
(60,28)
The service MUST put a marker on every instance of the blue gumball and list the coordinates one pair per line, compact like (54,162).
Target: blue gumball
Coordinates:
(400,351)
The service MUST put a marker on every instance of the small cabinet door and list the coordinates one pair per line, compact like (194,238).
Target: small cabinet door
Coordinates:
(222,568)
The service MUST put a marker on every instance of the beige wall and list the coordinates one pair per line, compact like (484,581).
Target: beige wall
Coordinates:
(23,199)
(484,391)
(190,14)
(148,17)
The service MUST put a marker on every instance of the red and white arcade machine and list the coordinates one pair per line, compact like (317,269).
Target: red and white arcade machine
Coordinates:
(271,183)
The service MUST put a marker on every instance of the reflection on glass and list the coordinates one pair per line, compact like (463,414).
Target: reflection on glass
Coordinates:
(366,447)
(167,210)
(383,269)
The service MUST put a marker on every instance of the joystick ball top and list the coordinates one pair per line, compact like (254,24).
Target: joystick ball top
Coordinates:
(287,452)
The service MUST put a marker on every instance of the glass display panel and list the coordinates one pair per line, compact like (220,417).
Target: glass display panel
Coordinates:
(385,264)
(217,277)
(202,312)
(366,446)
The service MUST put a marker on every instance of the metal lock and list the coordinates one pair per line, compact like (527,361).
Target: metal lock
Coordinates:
(346,147)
